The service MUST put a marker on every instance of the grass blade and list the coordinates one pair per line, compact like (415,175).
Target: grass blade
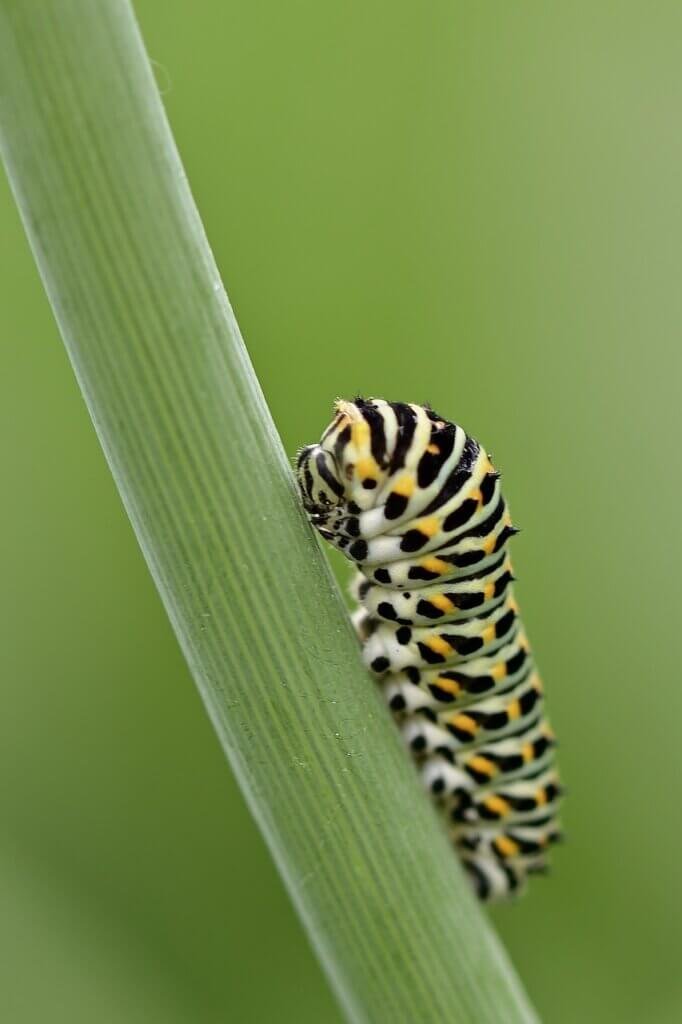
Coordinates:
(209,491)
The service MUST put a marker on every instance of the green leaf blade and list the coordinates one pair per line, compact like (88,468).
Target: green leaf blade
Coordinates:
(208,488)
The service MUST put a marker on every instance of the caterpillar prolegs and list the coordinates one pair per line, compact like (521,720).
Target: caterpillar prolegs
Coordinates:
(416,504)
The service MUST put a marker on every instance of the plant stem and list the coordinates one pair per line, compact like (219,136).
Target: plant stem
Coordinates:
(209,491)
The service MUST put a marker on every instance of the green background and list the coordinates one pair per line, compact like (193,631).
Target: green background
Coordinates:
(476,205)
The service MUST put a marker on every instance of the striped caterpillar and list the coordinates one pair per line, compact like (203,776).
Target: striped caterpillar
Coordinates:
(416,504)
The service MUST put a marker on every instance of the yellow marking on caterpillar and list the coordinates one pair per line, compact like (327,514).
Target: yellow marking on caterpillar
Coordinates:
(488,591)
(466,723)
(449,685)
(482,765)
(514,710)
(477,496)
(439,645)
(436,565)
(429,527)
(511,603)
(527,752)
(442,602)
(404,487)
(541,797)
(367,468)
(488,634)
(537,683)
(506,846)
(498,671)
(359,433)
(497,805)
(489,545)
(433,449)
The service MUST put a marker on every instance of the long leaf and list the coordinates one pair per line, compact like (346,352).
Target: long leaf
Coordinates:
(208,488)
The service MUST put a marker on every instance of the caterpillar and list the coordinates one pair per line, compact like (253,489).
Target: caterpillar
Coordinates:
(416,504)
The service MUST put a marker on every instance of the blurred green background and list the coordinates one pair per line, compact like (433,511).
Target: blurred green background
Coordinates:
(476,205)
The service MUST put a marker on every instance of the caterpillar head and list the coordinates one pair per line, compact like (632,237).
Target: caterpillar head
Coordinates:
(319,480)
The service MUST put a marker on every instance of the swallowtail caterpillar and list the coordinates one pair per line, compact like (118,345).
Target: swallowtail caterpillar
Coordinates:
(416,504)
